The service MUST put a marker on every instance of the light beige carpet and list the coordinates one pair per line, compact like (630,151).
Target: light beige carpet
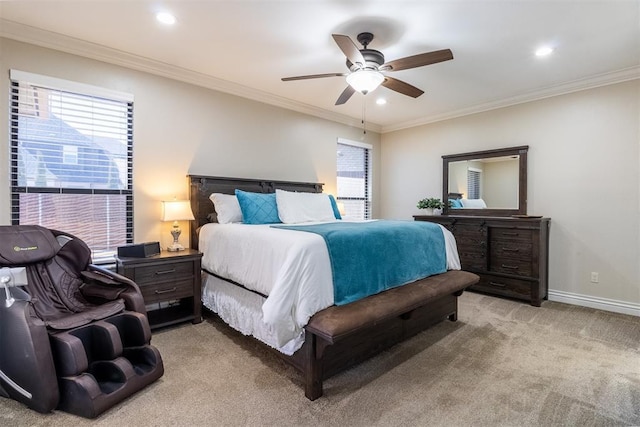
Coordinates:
(504,363)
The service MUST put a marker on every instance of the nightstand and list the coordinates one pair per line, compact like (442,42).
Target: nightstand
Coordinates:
(170,285)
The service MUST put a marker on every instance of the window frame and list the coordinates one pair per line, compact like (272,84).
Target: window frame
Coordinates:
(368,151)
(18,78)
(474,183)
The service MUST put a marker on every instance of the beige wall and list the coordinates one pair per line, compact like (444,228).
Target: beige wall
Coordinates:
(583,174)
(500,187)
(181,128)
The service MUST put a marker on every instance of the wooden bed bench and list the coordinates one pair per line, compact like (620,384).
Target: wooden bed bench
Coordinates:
(341,336)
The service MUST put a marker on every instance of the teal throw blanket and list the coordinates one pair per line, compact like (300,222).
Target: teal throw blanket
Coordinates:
(370,257)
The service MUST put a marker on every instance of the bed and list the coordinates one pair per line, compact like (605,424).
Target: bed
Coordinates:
(456,201)
(324,338)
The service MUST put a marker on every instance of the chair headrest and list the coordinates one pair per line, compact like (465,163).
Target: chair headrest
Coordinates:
(26,244)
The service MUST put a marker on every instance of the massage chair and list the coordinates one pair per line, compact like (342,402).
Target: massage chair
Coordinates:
(73,336)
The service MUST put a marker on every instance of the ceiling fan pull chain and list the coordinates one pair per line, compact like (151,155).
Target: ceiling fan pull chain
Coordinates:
(364,112)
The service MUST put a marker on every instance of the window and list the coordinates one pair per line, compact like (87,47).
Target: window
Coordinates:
(473,183)
(354,178)
(71,160)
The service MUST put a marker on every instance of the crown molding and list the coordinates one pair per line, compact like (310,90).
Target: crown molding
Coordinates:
(604,79)
(39,37)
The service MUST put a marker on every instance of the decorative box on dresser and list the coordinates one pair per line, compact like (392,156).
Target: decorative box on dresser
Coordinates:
(172,280)
(511,255)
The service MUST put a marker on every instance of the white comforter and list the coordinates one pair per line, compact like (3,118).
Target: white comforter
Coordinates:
(292,268)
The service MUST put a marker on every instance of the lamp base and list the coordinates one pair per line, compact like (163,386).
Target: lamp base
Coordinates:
(175,247)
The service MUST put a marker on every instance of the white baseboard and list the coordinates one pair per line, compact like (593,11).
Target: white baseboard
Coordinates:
(595,302)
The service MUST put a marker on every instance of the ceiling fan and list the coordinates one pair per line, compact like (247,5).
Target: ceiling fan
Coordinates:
(366,67)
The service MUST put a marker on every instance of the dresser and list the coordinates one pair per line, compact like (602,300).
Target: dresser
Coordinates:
(511,255)
(170,285)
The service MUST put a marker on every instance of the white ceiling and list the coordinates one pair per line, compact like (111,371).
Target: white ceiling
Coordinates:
(245,47)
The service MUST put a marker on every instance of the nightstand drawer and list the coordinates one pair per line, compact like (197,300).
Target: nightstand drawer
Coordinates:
(163,272)
(165,278)
(167,291)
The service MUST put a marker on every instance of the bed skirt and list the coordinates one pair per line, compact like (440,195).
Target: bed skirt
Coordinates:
(242,310)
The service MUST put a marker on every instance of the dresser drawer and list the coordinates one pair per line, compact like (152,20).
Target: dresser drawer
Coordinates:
(475,233)
(506,250)
(517,267)
(472,260)
(510,234)
(168,271)
(508,287)
(167,291)
(472,247)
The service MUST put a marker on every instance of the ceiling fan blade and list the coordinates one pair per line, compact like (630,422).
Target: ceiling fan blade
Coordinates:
(418,60)
(349,48)
(345,95)
(401,87)
(313,76)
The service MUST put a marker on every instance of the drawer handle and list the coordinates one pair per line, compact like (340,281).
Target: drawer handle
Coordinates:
(499,285)
(506,233)
(511,249)
(510,267)
(165,291)
(173,270)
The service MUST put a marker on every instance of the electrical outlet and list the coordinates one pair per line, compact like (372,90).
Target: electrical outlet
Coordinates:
(594,277)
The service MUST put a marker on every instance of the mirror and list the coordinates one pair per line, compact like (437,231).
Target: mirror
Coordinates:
(491,182)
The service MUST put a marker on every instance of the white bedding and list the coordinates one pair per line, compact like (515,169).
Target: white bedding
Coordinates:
(292,268)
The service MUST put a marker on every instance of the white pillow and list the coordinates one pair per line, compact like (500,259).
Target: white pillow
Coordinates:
(473,203)
(227,208)
(303,207)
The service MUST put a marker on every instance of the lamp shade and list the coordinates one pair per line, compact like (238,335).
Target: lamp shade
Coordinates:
(364,81)
(177,210)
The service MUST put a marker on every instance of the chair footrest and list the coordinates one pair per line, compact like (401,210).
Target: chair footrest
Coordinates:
(104,362)
(107,383)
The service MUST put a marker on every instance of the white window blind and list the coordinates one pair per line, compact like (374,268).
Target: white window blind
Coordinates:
(354,178)
(473,183)
(71,161)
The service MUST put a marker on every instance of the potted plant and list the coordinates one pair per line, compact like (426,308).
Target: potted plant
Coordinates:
(429,204)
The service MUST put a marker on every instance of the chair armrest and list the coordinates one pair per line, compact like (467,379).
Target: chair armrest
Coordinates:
(109,277)
(105,284)
(108,292)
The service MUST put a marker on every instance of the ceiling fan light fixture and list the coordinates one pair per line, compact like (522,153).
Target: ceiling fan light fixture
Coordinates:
(544,51)
(166,18)
(365,81)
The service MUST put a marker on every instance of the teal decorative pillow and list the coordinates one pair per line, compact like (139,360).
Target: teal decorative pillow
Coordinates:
(258,208)
(334,205)
(455,203)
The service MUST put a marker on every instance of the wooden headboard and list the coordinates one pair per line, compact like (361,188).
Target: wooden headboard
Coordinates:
(201,187)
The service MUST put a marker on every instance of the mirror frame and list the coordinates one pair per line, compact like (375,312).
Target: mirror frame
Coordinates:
(522,181)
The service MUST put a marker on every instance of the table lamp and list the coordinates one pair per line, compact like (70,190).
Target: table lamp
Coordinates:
(176,210)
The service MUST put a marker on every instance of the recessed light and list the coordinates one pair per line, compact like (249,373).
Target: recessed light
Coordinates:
(544,51)
(166,18)
(381,101)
